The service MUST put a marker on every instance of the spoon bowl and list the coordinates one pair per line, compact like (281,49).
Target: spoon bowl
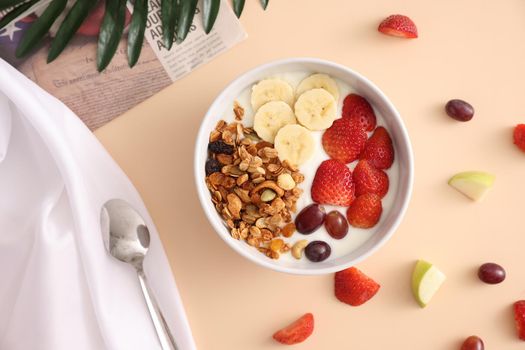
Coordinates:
(124,231)
(126,238)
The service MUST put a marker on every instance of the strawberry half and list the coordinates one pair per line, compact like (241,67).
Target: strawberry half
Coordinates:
(519,136)
(379,150)
(368,179)
(354,287)
(357,109)
(365,211)
(519,318)
(344,140)
(398,25)
(296,332)
(333,184)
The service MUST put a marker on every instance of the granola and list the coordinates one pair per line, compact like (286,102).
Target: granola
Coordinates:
(254,192)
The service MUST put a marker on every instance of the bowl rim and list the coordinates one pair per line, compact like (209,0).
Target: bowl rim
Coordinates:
(211,213)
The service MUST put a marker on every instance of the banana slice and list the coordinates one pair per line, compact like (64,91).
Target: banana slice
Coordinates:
(271,117)
(316,109)
(319,81)
(271,90)
(295,144)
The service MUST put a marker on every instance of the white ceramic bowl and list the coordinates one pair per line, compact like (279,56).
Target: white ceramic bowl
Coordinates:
(391,217)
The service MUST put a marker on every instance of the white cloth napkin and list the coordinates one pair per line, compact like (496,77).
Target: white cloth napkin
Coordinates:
(59,288)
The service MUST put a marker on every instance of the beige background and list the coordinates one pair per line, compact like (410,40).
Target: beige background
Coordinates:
(470,49)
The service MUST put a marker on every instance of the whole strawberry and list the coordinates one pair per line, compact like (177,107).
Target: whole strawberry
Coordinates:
(359,111)
(354,287)
(368,179)
(333,184)
(365,211)
(519,136)
(379,150)
(398,25)
(296,332)
(344,140)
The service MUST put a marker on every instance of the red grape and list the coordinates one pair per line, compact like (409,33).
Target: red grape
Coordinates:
(459,110)
(317,251)
(309,219)
(491,273)
(473,343)
(336,224)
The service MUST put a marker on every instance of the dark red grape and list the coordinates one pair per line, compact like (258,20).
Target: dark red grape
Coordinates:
(459,110)
(336,224)
(473,343)
(309,219)
(491,273)
(317,251)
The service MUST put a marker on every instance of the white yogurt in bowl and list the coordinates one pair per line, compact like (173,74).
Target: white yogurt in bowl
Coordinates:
(358,243)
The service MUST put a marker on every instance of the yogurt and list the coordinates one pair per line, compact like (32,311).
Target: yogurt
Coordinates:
(355,237)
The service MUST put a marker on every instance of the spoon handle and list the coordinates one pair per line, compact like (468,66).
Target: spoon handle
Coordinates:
(163,331)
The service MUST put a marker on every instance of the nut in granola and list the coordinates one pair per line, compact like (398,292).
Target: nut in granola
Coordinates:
(232,170)
(267,235)
(238,111)
(298,248)
(234,205)
(269,185)
(224,159)
(269,152)
(242,179)
(268,195)
(285,181)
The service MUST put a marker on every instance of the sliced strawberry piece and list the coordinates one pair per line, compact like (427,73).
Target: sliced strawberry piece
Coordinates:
(333,184)
(398,25)
(519,318)
(357,109)
(353,287)
(379,150)
(344,140)
(368,179)
(519,136)
(365,211)
(296,332)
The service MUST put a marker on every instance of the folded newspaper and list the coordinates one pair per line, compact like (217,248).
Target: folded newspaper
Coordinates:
(97,97)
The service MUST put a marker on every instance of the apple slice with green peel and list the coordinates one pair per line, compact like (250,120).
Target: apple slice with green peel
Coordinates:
(473,184)
(426,280)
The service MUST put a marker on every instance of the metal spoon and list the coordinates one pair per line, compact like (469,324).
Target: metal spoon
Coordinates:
(126,238)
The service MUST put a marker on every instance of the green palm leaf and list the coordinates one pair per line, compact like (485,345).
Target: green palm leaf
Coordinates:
(110,32)
(40,27)
(238,6)
(169,13)
(210,10)
(136,30)
(186,14)
(17,11)
(69,27)
(176,15)
(5,4)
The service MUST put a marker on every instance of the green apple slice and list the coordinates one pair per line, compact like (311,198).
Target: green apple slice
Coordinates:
(473,184)
(426,280)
